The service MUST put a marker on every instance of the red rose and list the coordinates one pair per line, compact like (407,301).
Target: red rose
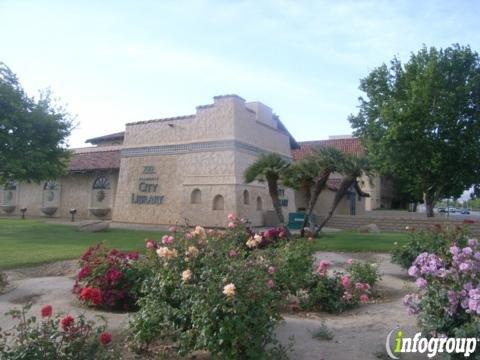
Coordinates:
(91,294)
(113,275)
(66,322)
(105,338)
(85,293)
(84,272)
(46,311)
(96,296)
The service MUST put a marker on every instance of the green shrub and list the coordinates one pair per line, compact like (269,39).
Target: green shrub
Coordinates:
(207,290)
(333,291)
(293,262)
(363,273)
(436,239)
(3,281)
(55,336)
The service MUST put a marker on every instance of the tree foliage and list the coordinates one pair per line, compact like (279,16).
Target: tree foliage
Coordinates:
(327,161)
(268,168)
(420,121)
(33,133)
(352,167)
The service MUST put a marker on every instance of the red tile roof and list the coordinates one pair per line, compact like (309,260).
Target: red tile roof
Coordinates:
(109,137)
(348,146)
(101,160)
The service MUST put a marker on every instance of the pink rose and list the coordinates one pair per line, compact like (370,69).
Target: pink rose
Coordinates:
(271,270)
(363,298)
(322,267)
(150,244)
(231,225)
(345,281)
(188,235)
(349,261)
(232,253)
(167,239)
(231,217)
(270,283)
(172,229)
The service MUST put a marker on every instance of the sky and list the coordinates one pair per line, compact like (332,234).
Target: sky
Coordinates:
(113,62)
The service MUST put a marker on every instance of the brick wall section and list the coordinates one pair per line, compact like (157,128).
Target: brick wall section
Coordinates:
(390,223)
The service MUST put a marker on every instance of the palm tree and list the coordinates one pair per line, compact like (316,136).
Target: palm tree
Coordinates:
(327,161)
(301,175)
(353,167)
(269,168)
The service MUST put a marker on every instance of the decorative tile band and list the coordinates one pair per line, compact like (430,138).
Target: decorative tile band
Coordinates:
(195,147)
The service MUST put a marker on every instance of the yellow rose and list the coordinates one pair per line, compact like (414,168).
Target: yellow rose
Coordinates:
(186,275)
(229,290)
(200,231)
(192,251)
(166,253)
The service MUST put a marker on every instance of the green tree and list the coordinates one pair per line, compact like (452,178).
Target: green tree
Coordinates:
(326,160)
(301,175)
(268,168)
(33,133)
(420,121)
(353,168)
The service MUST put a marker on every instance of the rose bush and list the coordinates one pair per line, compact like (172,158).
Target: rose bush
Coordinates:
(109,279)
(336,291)
(436,239)
(208,290)
(447,301)
(363,272)
(55,336)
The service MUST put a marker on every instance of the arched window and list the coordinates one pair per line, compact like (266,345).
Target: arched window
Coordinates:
(10,185)
(196,196)
(218,203)
(101,192)
(101,183)
(50,190)
(9,193)
(259,203)
(50,185)
(246,197)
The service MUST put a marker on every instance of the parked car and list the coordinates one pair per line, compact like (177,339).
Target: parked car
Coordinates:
(442,210)
(452,210)
(465,212)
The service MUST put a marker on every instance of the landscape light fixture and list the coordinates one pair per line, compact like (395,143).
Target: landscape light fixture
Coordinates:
(23,211)
(72,212)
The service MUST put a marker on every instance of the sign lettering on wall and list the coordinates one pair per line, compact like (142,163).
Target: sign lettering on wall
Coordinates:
(284,201)
(147,189)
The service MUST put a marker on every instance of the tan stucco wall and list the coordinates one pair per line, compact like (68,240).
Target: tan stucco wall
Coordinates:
(75,191)
(325,201)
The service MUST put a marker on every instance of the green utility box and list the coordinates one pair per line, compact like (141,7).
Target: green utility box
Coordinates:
(295,220)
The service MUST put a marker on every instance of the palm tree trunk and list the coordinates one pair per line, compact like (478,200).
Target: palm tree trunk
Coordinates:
(308,193)
(341,192)
(273,191)
(319,185)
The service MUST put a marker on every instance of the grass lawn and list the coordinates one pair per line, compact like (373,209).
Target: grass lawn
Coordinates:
(348,241)
(30,242)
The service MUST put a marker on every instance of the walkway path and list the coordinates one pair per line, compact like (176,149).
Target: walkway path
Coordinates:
(358,334)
